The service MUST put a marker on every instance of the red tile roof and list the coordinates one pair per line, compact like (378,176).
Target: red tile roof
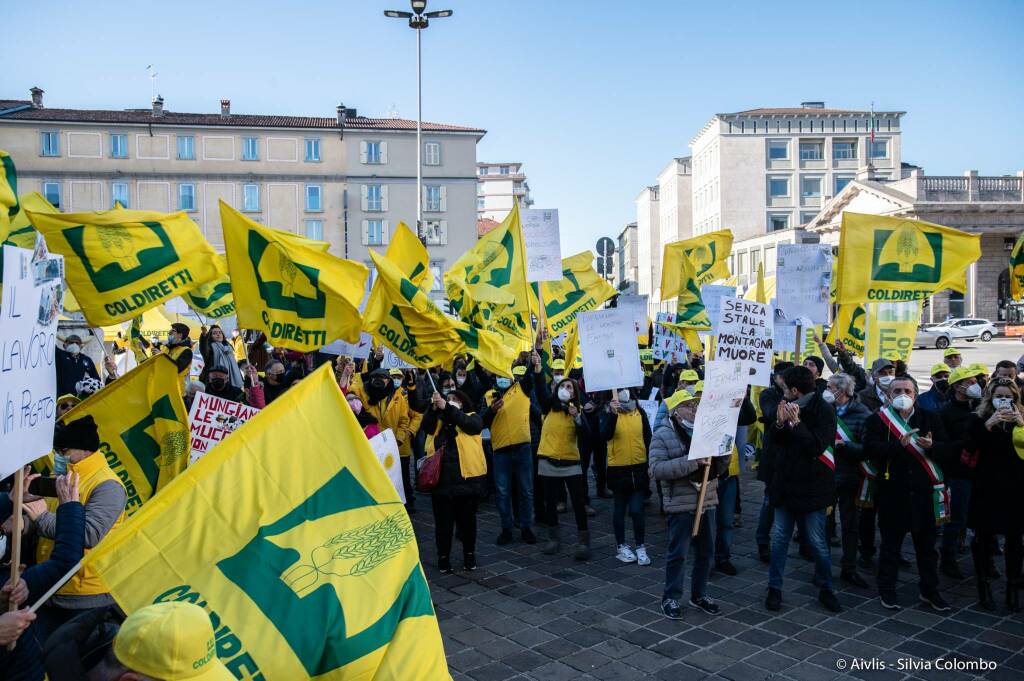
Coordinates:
(215,119)
(484,225)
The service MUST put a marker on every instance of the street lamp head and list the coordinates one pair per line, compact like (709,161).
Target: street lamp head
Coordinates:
(418,6)
(440,14)
(395,14)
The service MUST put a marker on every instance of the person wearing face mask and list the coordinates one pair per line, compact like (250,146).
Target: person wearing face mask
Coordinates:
(72,365)
(803,482)
(369,424)
(179,348)
(467,382)
(998,429)
(507,415)
(277,380)
(768,402)
(854,474)
(964,395)
(219,384)
(218,354)
(874,395)
(816,365)
(687,379)
(681,478)
(383,397)
(936,397)
(456,432)
(628,433)
(907,447)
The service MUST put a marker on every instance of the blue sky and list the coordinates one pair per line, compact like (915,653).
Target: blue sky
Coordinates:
(594,97)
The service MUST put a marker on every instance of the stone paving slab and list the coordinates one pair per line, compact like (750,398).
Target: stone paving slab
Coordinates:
(530,617)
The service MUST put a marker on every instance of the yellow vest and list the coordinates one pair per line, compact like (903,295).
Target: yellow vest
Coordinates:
(390,413)
(511,424)
(415,418)
(471,451)
(92,470)
(238,345)
(174,353)
(626,448)
(558,437)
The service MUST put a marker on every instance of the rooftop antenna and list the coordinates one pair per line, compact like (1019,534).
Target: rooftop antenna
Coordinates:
(393,112)
(152,82)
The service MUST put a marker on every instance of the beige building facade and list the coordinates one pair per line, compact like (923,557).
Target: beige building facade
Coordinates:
(648,236)
(346,179)
(498,187)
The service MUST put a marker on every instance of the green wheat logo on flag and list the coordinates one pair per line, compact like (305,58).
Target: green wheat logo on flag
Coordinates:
(907,255)
(114,256)
(703,259)
(283,283)
(856,329)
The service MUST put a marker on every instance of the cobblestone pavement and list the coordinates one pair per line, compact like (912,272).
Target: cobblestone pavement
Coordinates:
(523,615)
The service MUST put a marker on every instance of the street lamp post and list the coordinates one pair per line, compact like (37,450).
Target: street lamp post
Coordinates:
(419,20)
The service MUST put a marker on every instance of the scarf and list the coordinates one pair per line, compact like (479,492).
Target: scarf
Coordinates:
(222,357)
(940,493)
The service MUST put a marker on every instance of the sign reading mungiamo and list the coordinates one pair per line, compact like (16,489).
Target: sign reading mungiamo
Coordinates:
(896,259)
(120,263)
(298,295)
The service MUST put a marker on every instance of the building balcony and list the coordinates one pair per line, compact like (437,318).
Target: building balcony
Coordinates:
(967,188)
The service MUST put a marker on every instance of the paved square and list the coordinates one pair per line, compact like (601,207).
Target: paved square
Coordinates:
(523,615)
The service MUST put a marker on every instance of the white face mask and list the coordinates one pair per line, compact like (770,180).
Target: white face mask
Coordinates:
(828,396)
(903,402)
(565,394)
(397,382)
(623,396)
(60,463)
(74,348)
(974,392)
(686,423)
(1002,402)
(460,380)
(503,382)
(884,381)
(454,404)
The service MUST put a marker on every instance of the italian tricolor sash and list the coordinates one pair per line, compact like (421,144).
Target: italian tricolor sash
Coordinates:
(828,457)
(940,493)
(866,492)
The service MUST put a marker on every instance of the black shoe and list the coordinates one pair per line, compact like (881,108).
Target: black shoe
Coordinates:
(604,494)
(866,563)
(764,553)
(889,600)
(444,565)
(807,553)
(828,598)
(504,538)
(726,568)
(528,536)
(705,604)
(951,569)
(851,577)
(670,608)
(935,601)
(774,600)
(469,562)
(905,564)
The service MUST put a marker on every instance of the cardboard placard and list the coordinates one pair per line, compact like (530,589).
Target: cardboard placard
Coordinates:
(803,280)
(714,431)
(613,358)
(745,331)
(543,244)
(211,419)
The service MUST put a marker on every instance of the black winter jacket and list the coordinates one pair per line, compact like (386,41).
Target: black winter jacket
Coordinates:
(956,418)
(849,456)
(800,481)
(451,420)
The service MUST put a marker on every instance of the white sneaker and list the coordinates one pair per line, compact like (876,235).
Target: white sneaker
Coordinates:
(641,556)
(626,554)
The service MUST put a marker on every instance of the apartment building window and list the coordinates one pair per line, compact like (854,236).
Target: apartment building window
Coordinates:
(879,149)
(437,276)
(841,182)
(844,149)
(186,196)
(807,216)
(374,197)
(314,198)
(250,149)
(504,170)
(435,232)
(769,259)
(484,170)
(119,194)
(51,190)
(810,186)
(374,232)
(434,198)
(186,148)
(119,146)
(250,198)
(315,229)
(778,150)
(778,187)
(50,144)
(373,152)
(312,149)
(778,221)
(432,154)
(812,151)
(755,261)
(480,203)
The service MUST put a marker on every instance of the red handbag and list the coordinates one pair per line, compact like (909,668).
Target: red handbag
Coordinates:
(429,472)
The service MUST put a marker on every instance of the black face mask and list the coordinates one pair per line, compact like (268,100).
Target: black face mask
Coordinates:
(942,385)
(218,383)
(377,391)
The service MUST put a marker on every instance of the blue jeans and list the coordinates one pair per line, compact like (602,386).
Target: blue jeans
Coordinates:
(514,462)
(959,499)
(680,527)
(764,521)
(634,503)
(727,490)
(812,528)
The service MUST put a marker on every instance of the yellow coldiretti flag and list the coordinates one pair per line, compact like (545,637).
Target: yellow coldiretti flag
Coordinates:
(690,311)
(22,234)
(848,327)
(572,348)
(885,259)
(8,193)
(707,253)
(213,299)
(410,256)
(891,328)
(580,289)
(120,263)
(143,428)
(487,286)
(1017,269)
(308,571)
(300,297)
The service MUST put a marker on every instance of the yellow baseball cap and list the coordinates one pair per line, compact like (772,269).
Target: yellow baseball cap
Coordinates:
(689,375)
(939,368)
(960,373)
(170,641)
(395,372)
(978,369)
(698,387)
(558,364)
(891,355)
(519,370)
(950,352)
(678,397)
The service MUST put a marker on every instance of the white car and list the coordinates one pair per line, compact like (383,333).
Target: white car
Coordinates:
(952,330)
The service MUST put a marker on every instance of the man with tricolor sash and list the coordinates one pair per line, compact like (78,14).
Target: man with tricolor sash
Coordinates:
(907,447)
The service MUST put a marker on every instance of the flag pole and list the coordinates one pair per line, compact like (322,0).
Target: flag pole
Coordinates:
(53,589)
(699,512)
(16,532)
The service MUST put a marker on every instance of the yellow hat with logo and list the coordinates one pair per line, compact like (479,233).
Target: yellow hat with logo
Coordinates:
(558,365)
(395,372)
(678,397)
(519,370)
(170,641)
(689,375)
(939,368)
(698,387)
(978,369)
(950,352)
(960,373)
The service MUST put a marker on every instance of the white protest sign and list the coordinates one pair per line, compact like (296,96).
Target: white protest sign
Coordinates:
(542,243)
(32,301)
(393,361)
(637,307)
(714,431)
(211,419)
(196,370)
(358,350)
(712,295)
(650,407)
(745,330)
(613,358)
(178,306)
(667,342)
(386,448)
(803,279)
